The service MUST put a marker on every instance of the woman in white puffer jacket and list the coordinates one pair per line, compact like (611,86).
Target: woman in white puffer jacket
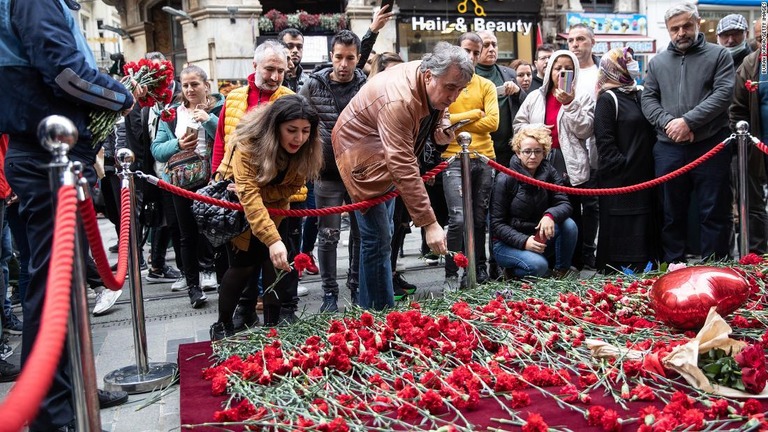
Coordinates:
(570,117)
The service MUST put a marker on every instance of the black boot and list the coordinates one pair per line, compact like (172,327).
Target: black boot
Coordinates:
(219,331)
(271,315)
(244,318)
(286,317)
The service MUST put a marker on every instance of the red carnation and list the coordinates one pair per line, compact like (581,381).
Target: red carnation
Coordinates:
(168,114)
(535,423)
(301,262)
(751,259)
(461,260)
(751,86)
(751,406)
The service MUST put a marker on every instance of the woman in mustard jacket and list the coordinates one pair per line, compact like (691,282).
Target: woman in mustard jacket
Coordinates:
(276,150)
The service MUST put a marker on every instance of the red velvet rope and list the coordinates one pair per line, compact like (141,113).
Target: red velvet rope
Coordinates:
(112,281)
(298,212)
(762,147)
(25,396)
(608,191)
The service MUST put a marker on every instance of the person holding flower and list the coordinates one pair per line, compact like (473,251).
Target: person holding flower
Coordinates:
(275,150)
(198,112)
(529,224)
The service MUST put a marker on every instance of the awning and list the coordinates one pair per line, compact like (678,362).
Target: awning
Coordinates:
(605,42)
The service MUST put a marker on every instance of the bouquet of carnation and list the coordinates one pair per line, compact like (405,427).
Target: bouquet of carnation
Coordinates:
(157,77)
(745,371)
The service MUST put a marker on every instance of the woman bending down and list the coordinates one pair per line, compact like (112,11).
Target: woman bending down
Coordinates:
(276,149)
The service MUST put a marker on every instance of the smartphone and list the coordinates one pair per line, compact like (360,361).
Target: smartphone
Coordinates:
(500,90)
(565,81)
(191,130)
(388,2)
(456,125)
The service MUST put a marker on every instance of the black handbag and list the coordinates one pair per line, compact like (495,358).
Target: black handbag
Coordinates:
(218,224)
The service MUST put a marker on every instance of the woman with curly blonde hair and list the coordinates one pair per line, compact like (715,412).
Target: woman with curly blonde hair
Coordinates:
(530,224)
(276,150)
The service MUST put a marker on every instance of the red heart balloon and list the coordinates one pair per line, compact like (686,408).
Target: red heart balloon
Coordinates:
(682,298)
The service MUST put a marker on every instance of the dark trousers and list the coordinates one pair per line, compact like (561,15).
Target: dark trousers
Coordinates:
(586,214)
(29,180)
(22,246)
(169,232)
(196,252)
(309,226)
(401,221)
(710,183)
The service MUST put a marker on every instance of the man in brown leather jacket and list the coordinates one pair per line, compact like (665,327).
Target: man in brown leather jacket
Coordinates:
(376,142)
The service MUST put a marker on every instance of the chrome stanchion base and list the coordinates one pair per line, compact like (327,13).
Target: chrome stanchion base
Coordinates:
(128,379)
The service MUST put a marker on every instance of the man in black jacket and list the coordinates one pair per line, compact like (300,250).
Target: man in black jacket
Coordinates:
(42,42)
(329,89)
(687,92)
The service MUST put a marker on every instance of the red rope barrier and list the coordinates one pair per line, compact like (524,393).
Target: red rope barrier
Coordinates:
(25,397)
(112,281)
(362,205)
(762,147)
(608,191)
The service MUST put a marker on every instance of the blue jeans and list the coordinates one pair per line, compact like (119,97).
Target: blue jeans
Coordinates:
(5,256)
(375,291)
(482,184)
(527,263)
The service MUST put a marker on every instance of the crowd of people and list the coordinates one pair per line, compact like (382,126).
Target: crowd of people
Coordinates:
(365,124)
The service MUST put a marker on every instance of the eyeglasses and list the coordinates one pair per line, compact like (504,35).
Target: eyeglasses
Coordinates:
(544,58)
(529,152)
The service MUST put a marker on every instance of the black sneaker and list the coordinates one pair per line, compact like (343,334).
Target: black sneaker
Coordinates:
(220,331)
(400,294)
(114,248)
(399,282)
(197,297)
(243,319)
(431,259)
(287,317)
(109,399)
(330,303)
(13,325)
(5,350)
(166,274)
(8,372)
(493,272)
(481,275)
(142,267)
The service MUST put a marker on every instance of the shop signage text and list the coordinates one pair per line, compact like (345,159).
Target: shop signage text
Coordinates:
(476,24)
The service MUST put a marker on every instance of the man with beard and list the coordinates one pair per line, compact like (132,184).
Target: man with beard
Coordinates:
(687,93)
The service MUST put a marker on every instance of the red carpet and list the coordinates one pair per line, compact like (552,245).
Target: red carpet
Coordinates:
(197,405)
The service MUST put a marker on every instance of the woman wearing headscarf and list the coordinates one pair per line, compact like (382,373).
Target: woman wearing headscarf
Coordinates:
(628,227)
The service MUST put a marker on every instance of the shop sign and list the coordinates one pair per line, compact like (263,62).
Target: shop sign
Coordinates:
(610,23)
(462,25)
(639,47)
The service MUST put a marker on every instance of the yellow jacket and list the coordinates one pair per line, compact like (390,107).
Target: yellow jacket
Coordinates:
(479,97)
(236,105)
(256,198)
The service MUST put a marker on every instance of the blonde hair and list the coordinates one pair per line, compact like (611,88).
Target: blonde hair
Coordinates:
(539,132)
(257,136)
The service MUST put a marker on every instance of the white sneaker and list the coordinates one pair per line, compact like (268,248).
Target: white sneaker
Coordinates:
(93,293)
(208,281)
(105,300)
(180,284)
(302,291)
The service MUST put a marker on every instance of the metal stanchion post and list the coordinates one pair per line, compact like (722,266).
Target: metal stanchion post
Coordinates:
(742,132)
(144,376)
(58,134)
(465,139)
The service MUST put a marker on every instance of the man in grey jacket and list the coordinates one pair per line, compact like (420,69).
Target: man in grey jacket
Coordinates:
(687,93)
